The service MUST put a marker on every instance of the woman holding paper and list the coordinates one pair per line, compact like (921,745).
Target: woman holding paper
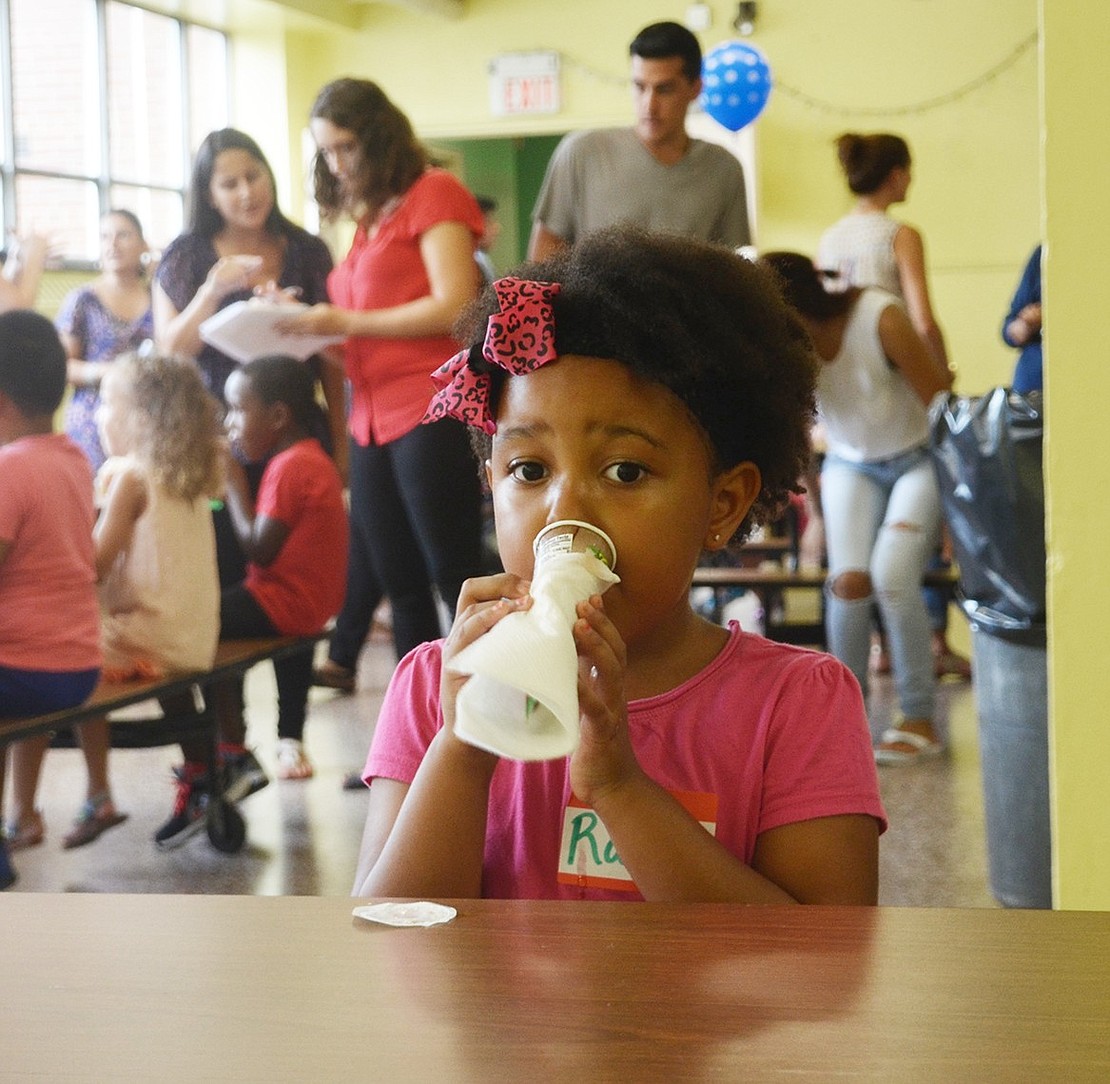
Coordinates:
(238,243)
(415,498)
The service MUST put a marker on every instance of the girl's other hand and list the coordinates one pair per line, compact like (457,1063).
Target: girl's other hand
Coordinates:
(483,601)
(604,758)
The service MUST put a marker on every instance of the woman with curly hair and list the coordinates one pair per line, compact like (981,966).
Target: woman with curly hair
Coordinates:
(415,496)
(155,555)
(659,389)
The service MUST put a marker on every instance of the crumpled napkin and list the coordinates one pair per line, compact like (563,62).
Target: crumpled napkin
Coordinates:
(521,701)
(418,913)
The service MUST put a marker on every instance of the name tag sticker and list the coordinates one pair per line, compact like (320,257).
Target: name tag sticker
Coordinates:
(587,857)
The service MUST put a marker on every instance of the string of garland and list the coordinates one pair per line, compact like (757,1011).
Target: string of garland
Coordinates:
(925,106)
(569,63)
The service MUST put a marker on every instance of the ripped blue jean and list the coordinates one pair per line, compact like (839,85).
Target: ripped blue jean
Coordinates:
(883,518)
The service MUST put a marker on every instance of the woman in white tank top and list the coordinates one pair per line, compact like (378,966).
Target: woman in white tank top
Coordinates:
(878,488)
(869,248)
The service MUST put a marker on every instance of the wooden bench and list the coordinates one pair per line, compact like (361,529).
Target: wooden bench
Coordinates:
(224,823)
(768,581)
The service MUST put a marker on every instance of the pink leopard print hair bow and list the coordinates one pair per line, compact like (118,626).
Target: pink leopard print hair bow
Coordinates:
(519,338)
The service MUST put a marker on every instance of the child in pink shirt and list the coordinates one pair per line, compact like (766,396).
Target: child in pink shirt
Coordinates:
(661,390)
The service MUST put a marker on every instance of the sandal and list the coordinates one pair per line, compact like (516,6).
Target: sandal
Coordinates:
(291,760)
(27,832)
(330,675)
(922,748)
(97,815)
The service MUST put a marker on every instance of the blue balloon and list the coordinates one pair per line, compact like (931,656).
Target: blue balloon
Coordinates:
(736,83)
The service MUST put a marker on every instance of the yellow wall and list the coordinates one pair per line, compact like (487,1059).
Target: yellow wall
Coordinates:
(1077,176)
(870,64)
(901,65)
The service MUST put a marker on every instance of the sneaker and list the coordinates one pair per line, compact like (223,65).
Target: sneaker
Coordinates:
(243,775)
(291,760)
(189,810)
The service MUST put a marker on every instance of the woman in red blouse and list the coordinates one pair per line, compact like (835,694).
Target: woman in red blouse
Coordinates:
(415,497)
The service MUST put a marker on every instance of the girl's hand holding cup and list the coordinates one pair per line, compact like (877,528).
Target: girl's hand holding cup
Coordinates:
(483,602)
(604,758)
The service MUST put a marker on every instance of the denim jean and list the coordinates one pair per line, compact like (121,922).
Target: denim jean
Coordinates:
(883,518)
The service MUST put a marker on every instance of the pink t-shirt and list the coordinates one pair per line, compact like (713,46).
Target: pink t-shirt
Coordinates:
(49,617)
(391,380)
(765,735)
(302,588)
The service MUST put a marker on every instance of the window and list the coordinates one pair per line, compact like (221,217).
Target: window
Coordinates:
(104,103)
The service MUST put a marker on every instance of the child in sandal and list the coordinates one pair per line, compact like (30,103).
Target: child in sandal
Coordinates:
(160,425)
(155,551)
(660,389)
(48,609)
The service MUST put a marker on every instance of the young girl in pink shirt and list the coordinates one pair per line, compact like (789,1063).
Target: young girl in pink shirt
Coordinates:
(661,390)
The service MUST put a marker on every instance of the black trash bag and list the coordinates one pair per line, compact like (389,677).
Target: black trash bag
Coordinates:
(987,454)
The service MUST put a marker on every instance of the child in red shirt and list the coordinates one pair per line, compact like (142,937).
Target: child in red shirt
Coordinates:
(294,536)
(48,607)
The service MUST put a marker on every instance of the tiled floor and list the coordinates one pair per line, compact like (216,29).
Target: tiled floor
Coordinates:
(303,837)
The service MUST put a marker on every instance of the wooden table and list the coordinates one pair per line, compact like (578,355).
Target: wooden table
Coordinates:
(194,988)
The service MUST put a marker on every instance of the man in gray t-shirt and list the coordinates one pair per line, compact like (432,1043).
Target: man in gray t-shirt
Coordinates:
(652,174)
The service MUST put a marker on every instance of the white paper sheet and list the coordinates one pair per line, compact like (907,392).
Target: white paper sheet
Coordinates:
(248,330)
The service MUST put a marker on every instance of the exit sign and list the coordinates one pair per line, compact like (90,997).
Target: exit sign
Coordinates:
(524,83)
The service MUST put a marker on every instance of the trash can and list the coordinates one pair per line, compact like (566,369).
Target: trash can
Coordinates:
(987,454)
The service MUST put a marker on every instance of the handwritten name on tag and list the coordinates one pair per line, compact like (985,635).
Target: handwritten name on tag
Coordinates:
(587,856)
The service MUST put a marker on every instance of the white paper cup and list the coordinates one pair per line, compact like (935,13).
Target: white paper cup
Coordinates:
(574,536)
